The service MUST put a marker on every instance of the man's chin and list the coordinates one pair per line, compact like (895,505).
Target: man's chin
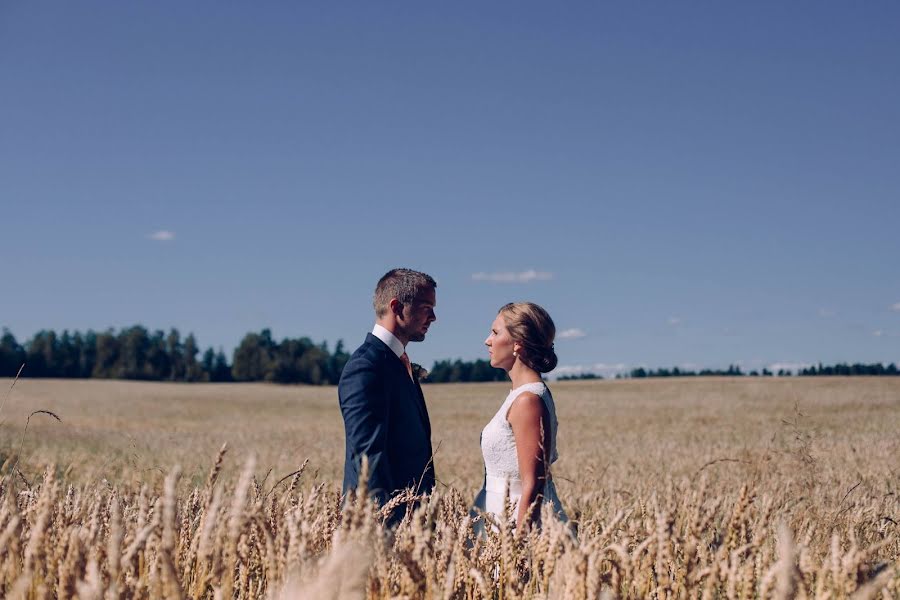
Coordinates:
(418,337)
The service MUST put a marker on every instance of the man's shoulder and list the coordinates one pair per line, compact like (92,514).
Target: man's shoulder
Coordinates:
(369,356)
(371,350)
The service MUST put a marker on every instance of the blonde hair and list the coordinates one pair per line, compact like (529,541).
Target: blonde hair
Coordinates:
(531,326)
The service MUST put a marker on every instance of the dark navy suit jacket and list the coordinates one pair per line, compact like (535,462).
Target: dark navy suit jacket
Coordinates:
(385,419)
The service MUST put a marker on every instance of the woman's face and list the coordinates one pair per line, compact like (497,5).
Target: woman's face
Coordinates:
(500,345)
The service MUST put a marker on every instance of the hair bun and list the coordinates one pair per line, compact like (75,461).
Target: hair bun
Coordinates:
(546,360)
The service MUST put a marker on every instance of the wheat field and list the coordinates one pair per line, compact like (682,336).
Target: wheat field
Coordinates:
(691,488)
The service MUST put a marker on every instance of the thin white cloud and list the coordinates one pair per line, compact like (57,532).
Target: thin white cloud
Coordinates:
(826,313)
(162,236)
(571,334)
(878,332)
(895,307)
(675,321)
(513,277)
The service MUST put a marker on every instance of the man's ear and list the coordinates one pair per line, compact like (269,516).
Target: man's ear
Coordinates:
(396,307)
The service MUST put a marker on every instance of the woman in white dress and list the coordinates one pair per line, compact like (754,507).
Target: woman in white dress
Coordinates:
(519,442)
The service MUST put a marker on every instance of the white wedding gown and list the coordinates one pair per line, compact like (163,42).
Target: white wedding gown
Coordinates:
(501,463)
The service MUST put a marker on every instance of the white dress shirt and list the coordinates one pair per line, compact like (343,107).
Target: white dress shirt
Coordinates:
(390,339)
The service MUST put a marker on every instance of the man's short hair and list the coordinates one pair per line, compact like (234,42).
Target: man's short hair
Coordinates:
(405,285)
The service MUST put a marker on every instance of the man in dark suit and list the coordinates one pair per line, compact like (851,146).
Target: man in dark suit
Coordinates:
(384,411)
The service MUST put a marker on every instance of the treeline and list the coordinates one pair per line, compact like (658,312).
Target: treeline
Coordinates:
(854,369)
(136,353)
(579,376)
(260,358)
(641,373)
(840,369)
(735,371)
(456,371)
(731,371)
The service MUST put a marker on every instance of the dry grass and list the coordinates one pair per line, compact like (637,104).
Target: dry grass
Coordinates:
(731,488)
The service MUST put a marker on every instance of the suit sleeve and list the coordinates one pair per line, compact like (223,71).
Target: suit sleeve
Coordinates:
(365,406)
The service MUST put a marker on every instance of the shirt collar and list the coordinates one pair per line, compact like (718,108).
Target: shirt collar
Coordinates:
(389,339)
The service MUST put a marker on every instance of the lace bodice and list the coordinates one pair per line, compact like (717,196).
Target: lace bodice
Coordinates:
(498,444)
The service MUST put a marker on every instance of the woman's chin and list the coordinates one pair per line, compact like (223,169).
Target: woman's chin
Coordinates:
(498,364)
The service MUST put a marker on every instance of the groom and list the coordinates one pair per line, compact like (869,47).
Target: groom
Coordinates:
(382,404)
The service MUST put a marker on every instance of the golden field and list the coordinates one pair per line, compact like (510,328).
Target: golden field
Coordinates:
(687,488)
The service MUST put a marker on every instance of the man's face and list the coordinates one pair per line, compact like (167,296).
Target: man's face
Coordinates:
(417,316)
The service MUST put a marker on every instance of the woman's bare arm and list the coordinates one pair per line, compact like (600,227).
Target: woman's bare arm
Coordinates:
(529,418)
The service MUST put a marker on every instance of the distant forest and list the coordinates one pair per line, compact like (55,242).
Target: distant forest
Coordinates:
(137,353)
(735,371)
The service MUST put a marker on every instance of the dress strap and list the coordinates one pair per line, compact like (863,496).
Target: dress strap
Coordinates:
(537,388)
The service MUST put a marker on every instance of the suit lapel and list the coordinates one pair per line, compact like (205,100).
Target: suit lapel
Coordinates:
(412,388)
(414,392)
(376,343)
(423,409)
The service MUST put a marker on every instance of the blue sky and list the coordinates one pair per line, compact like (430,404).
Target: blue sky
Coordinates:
(679,184)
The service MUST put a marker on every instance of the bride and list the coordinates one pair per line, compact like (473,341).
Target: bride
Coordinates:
(519,442)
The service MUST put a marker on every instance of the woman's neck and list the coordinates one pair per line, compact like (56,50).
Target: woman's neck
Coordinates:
(520,374)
